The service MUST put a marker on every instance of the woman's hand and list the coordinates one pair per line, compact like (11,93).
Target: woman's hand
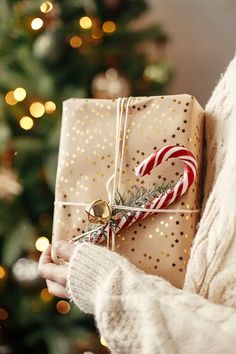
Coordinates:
(56,275)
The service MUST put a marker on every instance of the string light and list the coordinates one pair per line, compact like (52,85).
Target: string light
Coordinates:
(19,94)
(155,73)
(10,99)
(41,243)
(2,272)
(85,22)
(103,342)
(46,7)
(45,295)
(26,123)
(109,26)
(75,42)
(36,23)
(25,270)
(3,314)
(97,33)
(50,107)
(37,109)
(63,307)
(111,74)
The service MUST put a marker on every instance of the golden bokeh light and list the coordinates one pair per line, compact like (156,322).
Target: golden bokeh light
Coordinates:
(26,123)
(103,342)
(2,272)
(19,94)
(36,23)
(46,7)
(50,107)
(75,42)
(85,22)
(63,307)
(109,26)
(3,314)
(155,73)
(45,295)
(97,33)
(37,109)
(10,99)
(41,243)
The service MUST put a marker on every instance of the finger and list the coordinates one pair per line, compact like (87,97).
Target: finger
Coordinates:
(57,289)
(45,256)
(53,272)
(64,249)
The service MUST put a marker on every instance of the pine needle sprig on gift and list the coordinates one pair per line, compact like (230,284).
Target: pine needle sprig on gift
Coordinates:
(139,197)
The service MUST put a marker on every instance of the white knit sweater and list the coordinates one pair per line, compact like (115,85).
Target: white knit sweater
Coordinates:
(144,314)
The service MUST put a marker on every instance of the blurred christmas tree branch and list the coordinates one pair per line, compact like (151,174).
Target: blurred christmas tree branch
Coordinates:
(51,51)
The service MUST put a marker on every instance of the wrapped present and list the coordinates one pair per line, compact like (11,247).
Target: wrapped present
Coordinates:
(129,177)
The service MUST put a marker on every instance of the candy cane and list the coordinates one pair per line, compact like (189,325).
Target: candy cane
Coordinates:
(167,198)
(163,200)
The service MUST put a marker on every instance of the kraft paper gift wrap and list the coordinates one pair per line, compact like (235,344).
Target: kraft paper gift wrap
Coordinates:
(159,244)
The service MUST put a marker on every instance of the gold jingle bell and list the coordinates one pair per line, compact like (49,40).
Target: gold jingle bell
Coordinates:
(99,212)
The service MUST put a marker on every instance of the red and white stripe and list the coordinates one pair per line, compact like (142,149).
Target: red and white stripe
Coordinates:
(165,199)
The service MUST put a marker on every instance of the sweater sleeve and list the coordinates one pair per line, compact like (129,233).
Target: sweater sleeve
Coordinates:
(140,313)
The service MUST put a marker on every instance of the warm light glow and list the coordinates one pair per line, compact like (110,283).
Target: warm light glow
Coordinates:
(63,307)
(97,33)
(10,99)
(26,123)
(3,314)
(111,74)
(36,23)
(2,272)
(19,94)
(85,22)
(46,7)
(103,342)
(45,295)
(41,243)
(50,107)
(37,109)
(75,42)
(109,26)
(155,73)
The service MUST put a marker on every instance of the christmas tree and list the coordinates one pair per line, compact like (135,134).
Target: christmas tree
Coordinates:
(50,51)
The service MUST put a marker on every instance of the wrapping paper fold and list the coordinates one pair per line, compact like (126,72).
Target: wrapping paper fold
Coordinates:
(159,244)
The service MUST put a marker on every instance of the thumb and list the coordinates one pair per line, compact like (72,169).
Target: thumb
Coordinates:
(63,249)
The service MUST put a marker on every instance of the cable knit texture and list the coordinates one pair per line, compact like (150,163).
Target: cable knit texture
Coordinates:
(139,313)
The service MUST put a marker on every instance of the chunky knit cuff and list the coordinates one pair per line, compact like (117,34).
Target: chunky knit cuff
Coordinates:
(89,268)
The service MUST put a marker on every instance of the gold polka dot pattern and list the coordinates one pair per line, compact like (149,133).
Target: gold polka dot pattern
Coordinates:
(160,244)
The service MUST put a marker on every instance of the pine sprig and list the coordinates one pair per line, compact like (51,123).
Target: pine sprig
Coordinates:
(139,197)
